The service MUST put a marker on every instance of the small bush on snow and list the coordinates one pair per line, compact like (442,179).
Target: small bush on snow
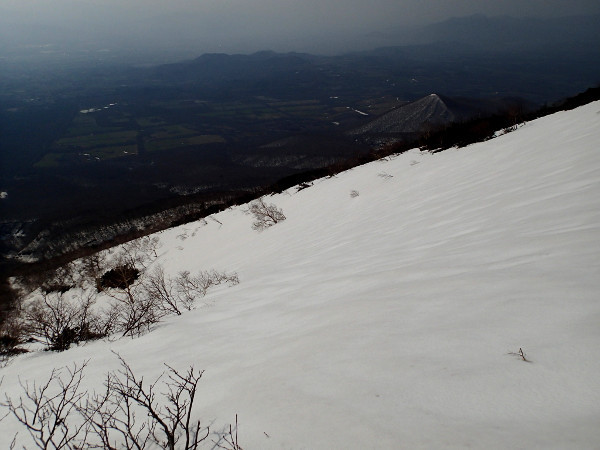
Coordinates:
(265,215)
(173,295)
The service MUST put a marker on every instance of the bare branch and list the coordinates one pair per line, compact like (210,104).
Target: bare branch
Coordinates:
(46,410)
(173,419)
(230,440)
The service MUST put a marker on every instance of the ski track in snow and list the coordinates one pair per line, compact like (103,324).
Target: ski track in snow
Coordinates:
(386,320)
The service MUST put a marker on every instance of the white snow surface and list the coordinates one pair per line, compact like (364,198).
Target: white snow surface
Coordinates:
(386,320)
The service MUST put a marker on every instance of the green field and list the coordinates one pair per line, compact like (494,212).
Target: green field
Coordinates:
(174,124)
(155,145)
(57,158)
(51,160)
(86,140)
(116,151)
(149,122)
(91,141)
(83,125)
(167,132)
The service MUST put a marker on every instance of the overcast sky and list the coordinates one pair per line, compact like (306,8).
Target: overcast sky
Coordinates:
(249,25)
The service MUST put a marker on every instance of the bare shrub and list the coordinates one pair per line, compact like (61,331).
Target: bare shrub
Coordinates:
(303,186)
(59,321)
(93,266)
(128,260)
(56,287)
(354,194)
(59,279)
(510,129)
(138,252)
(141,300)
(131,312)
(169,426)
(12,335)
(151,245)
(265,215)
(189,288)
(230,440)
(199,285)
(172,296)
(128,414)
(163,292)
(46,410)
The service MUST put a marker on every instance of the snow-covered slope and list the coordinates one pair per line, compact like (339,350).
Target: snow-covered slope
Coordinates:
(410,118)
(386,320)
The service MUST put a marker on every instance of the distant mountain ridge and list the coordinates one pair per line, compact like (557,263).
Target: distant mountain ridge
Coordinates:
(505,33)
(237,66)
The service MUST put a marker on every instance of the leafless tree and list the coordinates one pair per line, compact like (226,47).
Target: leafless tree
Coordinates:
(173,296)
(265,215)
(59,321)
(113,415)
(113,421)
(59,279)
(134,313)
(139,252)
(47,410)
(190,286)
(128,413)
(163,292)
(93,266)
(131,312)
(13,333)
(141,299)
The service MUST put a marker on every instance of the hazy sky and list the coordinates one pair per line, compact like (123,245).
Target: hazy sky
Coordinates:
(248,25)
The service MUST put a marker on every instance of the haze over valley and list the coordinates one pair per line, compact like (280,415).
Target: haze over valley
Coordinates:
(112,112)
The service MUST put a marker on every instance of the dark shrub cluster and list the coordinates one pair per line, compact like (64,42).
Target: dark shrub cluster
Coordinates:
(120,277)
